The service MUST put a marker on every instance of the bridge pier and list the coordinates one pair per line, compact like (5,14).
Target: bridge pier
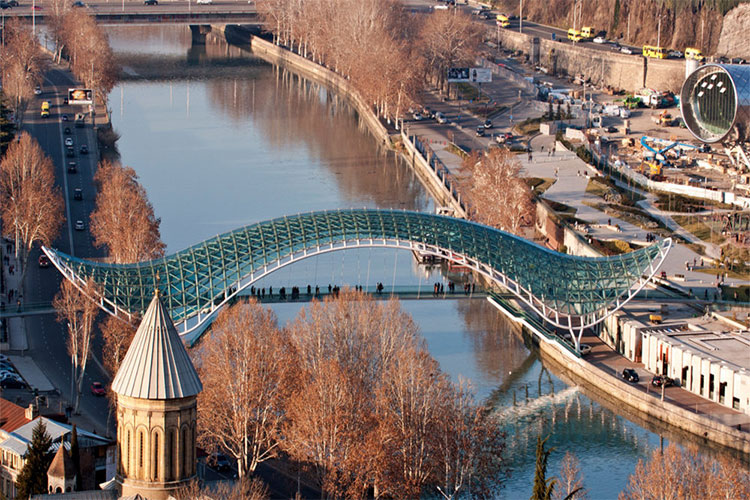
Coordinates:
(199,32)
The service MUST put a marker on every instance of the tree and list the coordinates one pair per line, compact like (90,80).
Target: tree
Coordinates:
(33,476)
(244,368)
(123,219)
(543,487)
(496,193)
(75,456)
(117,335)
(243,489)
(78,312)
(21,66)
(30,203)
(91,58)
(571,479)
(678,473)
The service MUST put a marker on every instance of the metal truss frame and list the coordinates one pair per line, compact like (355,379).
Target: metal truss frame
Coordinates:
(567,291)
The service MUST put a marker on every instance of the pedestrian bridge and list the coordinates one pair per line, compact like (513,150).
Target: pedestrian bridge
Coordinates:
(567,291)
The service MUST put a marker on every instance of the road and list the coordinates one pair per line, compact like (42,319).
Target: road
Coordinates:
(46,337)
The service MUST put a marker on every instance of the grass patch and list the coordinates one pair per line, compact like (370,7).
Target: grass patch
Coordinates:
(613,247)
(686,204)
(485,111)
(742,291)
(453,148)
(539,184)
(561,207)
(468,91)
(700,229)
(529,126)
(600,185)
(739,273)
(596,188)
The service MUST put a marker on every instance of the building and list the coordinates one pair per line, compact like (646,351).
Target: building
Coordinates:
(156,389)
(707,355)
(97,452)
(61,475)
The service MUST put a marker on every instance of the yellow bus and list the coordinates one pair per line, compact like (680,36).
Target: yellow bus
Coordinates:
(587,33)
(691,53)
(503,21)
(45,109)
(574,35)
(655,52)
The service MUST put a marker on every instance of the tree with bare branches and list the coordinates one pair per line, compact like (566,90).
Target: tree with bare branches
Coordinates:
(244,489)
(21,66)
(244,367)
(677,473)
(117,335)
(77,312)
(30,203)
(496,193)
(570,480)
(123,220)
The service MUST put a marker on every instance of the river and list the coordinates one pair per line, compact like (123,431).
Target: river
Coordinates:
(221,139)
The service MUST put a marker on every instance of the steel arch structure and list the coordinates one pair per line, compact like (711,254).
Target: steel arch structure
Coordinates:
(567,291)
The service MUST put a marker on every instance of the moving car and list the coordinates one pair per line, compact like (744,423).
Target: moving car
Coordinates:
(43,261)
(626,50)
(97,389)
(440,117)
(66,131)
(68,141)
(4,5)
(78,194)
(599,39)
(204,2)
(78,3)
(84,149)
(630,375)
(79,225)
(480,131)
(37,90)
(488,123)
(417,116)
(64,117)
(661,380)
(70,152)
(150,2)
(72,167)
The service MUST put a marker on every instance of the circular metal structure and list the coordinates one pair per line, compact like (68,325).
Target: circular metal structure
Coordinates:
(715,103)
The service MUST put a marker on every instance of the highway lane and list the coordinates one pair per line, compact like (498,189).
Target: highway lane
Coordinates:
(46,337)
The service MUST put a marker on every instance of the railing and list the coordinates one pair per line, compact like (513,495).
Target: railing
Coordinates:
(443,174)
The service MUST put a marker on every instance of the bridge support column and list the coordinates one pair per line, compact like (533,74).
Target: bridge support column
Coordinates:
(199,32)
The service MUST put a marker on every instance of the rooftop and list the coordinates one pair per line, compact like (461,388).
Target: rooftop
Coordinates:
(157,365)
(18,440)
(12,416)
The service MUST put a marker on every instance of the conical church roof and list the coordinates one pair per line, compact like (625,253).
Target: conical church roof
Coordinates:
(157,365)
(62,465)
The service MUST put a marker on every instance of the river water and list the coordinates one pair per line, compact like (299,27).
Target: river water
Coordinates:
(221,139)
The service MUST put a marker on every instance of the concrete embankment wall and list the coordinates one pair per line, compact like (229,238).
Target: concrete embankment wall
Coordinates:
(610,387)
(622,71)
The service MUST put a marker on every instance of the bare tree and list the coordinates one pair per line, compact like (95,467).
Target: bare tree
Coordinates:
(676,473)
(30,203)
(117,335)
(21,66)
(497,194)
(570,480)
(77,311)
(244,489)
(244,370)
(124,220)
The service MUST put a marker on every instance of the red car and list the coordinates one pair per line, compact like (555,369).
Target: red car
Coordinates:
(97,389)
(43,261)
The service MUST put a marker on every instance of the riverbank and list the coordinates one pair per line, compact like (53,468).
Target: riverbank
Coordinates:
(599,374)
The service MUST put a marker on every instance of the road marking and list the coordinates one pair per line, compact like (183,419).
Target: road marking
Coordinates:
(64,169)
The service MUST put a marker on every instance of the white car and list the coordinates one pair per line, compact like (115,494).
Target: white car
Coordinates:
(440,117)
(204,2)
(68,141)
(626,50)
(37,90)
(600,39)
(79,225)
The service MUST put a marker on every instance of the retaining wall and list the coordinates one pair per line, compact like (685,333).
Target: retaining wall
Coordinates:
(622,71)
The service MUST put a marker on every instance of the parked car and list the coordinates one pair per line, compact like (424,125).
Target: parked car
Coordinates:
(630,375)
(68,141)
(440,117)
(488,123)
(43,261)
(600,39)
(220,462)
(11,382)
(78,4)
(97,389)
(611,129)
(417,116)
(661,380)
(77,194)
(4,5)
(80,226)
(72,167)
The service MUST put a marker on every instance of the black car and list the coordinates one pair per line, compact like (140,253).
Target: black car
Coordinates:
(64,116)
(488,123)
(70,152)
(4,5)
(661,380)
(11,383)
(84,150)
(65,101)
(630,375)
(72,167)
(480,131)
(150,2)
(78,194)
(67,131)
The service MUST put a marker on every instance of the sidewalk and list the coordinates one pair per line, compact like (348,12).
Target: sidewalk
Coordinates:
(11,272)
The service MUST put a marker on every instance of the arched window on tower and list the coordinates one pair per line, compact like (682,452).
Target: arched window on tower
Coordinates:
(155,475)
(184,453)
(168,444)
(127,462)
(140,455)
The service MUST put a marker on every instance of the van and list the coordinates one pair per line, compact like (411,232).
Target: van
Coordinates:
(587,33)
(691,53)
(45,109)
(574,35)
